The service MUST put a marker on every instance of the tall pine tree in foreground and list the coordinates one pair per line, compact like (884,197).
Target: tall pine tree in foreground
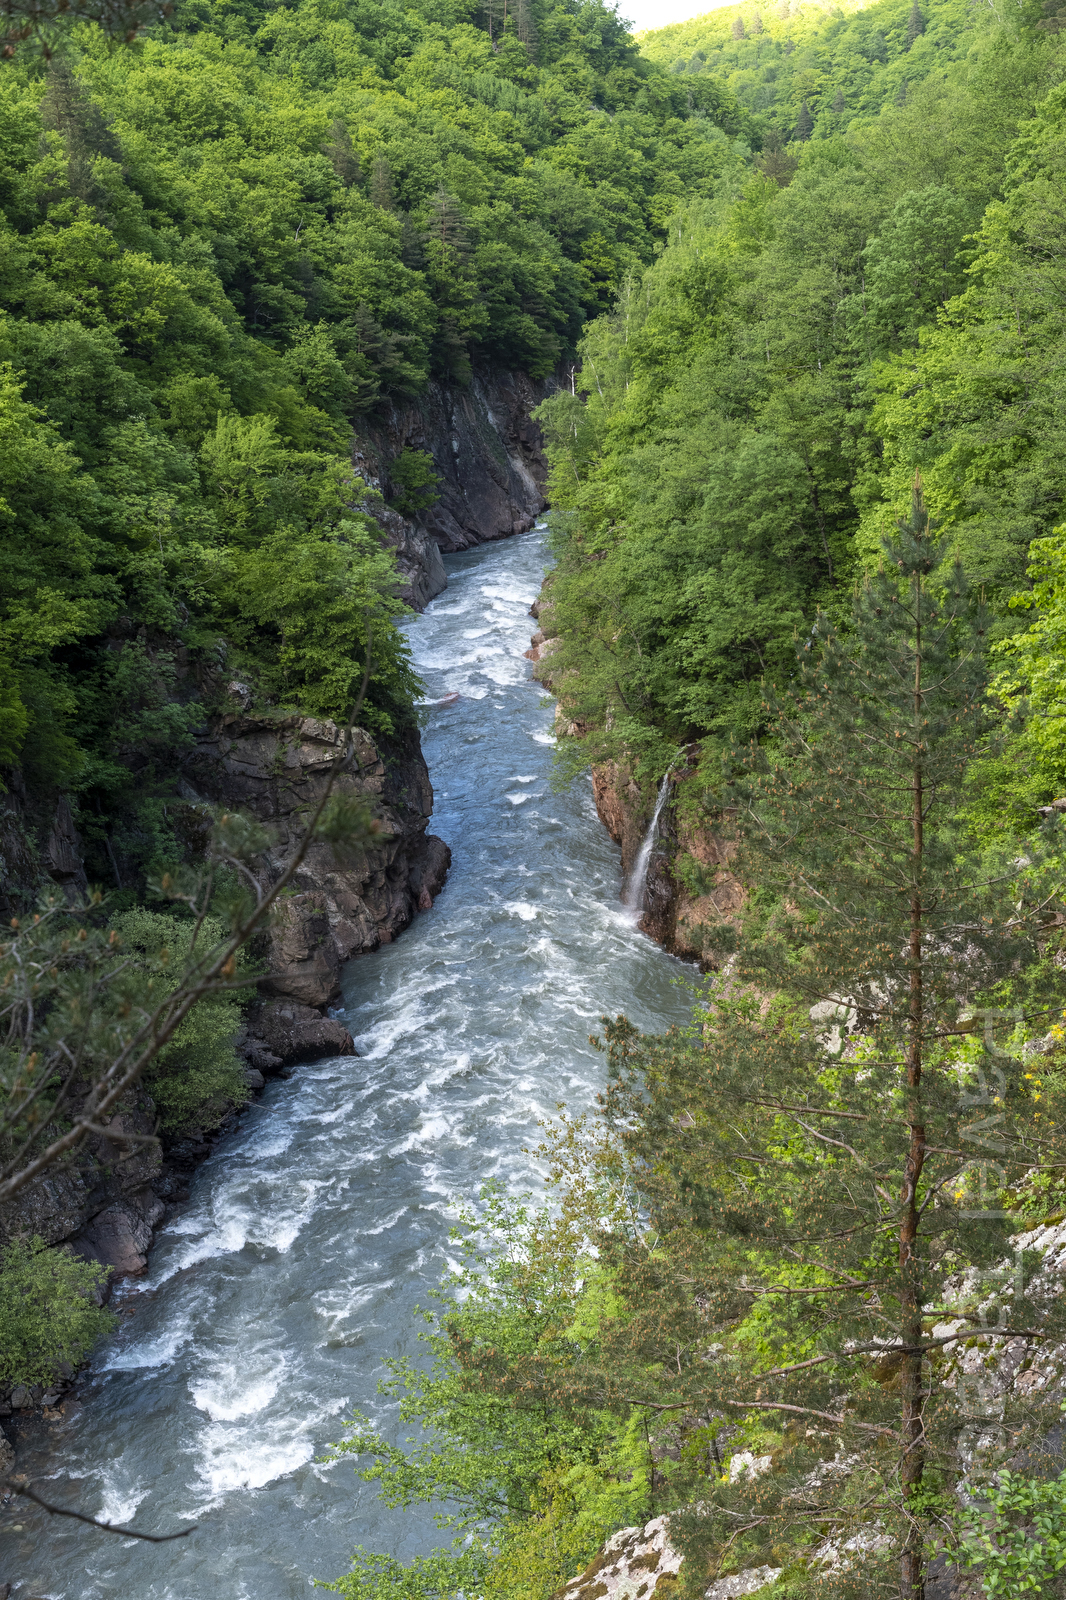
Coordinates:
(836,1156)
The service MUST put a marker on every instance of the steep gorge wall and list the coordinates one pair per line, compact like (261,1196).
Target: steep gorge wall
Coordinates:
(488,455)
(107,1201)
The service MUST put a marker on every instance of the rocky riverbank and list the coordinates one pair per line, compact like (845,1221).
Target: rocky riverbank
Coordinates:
(491,473)
(107,1203)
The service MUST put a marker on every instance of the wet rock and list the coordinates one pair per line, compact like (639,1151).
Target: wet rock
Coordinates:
(294,1032)
(120,1235)
(21,1398)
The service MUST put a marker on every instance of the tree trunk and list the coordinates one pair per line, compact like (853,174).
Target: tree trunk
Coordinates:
(912,1462)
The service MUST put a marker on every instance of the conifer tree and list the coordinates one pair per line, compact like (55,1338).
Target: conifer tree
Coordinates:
(381,191)
(915,24)
(739,31)
(526,26)
(842,1133)
(804,124)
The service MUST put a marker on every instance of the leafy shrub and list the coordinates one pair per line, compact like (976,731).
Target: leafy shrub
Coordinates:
(47,1314)
(197,1077)
(414,482)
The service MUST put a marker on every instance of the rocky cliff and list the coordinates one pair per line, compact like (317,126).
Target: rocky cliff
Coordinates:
(276,769)
(107,1202)
(487,452)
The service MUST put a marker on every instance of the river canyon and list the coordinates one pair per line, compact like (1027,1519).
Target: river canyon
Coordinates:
(313,1232)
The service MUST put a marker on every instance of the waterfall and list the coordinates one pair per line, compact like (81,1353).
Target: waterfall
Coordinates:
(634,893)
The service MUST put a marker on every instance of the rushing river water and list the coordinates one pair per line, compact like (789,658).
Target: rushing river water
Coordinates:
(314,1230)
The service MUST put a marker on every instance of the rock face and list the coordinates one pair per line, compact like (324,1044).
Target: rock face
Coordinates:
(673,915)
(106,1203)
(103,1204)
(489,458)
(39,846)
(637,1563)
(276,769)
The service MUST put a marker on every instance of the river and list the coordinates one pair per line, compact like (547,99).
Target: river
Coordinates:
(316,1228)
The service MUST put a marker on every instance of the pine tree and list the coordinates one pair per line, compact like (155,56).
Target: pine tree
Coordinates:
(804,124)
(381,192)
(915,24)
(739,31)
(838,101)
(834,1132)
(526,26)
(756,23)
(343,159)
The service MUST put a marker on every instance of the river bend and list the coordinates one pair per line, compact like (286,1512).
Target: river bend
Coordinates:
(314,1230)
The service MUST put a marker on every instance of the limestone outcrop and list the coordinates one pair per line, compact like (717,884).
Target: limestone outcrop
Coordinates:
(639,1563)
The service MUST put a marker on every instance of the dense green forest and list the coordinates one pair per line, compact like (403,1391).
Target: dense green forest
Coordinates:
(840,63)
(225,244)
(883,300)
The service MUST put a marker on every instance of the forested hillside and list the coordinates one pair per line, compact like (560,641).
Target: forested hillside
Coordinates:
(808,69)
(861,305)
(223,246)
(799,279)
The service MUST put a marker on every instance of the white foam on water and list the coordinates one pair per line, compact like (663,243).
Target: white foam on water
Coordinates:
(232,1456)
(543,738)
(433,1081)
(513,594)
(518,777)
(519,799)
(433,1132)
(119,1505)
(521,908)
(235,1391)
(337,1306)
(390,1222)
(157,1351)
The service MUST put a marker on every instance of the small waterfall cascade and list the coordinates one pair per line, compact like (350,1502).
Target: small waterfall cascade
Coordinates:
(634,893)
